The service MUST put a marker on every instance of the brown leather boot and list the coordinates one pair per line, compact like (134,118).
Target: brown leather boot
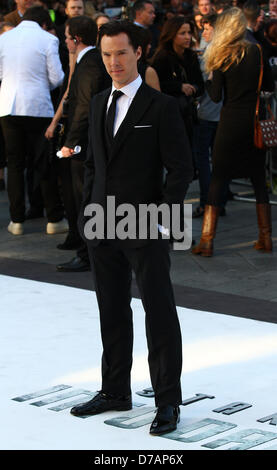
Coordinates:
(205,246)
(264,242)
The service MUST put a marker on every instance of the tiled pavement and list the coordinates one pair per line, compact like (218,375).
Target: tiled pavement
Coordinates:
(236,267)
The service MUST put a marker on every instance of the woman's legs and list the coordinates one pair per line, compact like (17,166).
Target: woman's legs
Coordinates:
(205,246)
(263,210)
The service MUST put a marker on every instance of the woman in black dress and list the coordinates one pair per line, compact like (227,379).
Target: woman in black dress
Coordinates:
(178,67)
(234,67)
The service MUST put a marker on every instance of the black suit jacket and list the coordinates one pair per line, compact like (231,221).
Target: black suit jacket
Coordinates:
(249,35)
(134,171)
(88,79)
(169,67)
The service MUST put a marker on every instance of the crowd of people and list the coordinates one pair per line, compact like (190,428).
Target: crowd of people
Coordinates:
(45,98)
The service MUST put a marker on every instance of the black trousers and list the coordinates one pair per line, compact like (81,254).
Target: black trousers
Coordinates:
(23,136)
(218,187)
(112,264)
(2,150)
(34,195)
(77,172)
(64,171)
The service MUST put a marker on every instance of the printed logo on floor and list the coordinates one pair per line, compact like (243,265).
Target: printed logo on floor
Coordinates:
(142,415)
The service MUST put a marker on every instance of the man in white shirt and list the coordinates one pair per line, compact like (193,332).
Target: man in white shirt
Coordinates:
(29,68)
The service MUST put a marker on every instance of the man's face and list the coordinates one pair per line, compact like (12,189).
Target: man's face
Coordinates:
(74,8)
(70,44)
(101,20)
(147,15)
(204,7)
(208,32)
(23,5)
(120,59)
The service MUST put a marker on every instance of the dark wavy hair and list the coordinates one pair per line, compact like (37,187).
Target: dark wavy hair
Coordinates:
(169,31)
(116,27)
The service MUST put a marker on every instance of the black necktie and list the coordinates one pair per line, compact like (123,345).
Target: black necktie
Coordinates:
(111,113)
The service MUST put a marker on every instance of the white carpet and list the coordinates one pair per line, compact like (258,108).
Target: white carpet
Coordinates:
(50,336)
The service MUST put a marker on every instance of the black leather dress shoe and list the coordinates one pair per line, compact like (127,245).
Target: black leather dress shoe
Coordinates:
(166,420)
(102,402)
(75,265)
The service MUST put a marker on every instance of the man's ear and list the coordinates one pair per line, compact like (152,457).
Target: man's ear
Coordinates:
(78,39)
(44,26)
(138,52)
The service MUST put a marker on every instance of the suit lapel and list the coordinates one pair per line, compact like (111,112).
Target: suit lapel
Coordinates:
(139,105)
(99,118)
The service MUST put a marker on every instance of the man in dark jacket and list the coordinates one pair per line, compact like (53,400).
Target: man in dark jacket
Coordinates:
(251,10)
(88,79)
(134,133)
(15,17)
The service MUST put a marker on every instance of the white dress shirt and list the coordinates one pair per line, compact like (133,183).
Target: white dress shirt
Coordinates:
(29,68)
(139,24)
(83,52)
(124,101)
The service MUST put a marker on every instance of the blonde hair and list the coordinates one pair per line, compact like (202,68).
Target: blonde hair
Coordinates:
(228,45)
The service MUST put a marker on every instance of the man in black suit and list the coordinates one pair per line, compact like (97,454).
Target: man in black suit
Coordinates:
(144,16)
(72,8)
(89,77)
(125,160)
(251,10)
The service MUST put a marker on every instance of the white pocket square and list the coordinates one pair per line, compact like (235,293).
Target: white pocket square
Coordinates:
(139,127)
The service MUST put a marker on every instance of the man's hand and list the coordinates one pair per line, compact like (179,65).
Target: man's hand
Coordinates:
(188,89)
(67,152)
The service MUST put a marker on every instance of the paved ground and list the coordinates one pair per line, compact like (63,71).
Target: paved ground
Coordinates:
(227,358)
(235,269)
